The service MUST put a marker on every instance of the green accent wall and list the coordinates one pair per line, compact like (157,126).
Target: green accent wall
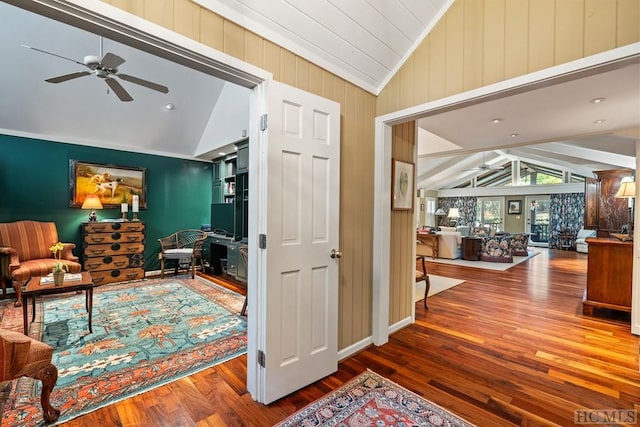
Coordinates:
(34,184)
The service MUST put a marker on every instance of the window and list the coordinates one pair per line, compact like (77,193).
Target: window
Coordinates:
(490,211)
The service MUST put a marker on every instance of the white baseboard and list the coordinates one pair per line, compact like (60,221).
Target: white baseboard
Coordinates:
(354,348)
(401,324)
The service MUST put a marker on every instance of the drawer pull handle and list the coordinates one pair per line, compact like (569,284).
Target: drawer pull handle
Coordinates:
(96,251)
(98,280)
(132,238)
(93,265)
(132,275)
(120,264)
(97,239)
(99,227)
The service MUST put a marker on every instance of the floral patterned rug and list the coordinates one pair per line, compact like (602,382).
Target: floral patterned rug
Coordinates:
(145,334)
(372,400)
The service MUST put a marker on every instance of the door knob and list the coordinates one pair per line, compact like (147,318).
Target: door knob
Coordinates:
(335,253)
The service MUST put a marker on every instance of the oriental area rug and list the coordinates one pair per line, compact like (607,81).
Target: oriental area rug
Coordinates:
(372,400)
(145,334)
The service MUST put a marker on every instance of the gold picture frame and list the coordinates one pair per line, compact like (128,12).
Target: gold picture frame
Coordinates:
(111,183)
(402,192)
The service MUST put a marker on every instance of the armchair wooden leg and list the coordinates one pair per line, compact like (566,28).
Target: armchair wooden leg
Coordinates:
(49,376)
(193,267)
(17,286)
(162,267)
(426,290)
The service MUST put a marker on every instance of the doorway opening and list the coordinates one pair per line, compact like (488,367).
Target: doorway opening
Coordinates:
(538,220)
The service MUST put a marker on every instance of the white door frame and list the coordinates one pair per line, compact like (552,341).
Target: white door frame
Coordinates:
(382,161)
(117,24)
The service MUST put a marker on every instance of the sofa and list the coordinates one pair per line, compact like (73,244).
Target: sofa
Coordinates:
(449,245)
(25,252)
(503,247)
(581,243)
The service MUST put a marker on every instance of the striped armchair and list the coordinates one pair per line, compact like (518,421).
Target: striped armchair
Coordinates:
(24,252)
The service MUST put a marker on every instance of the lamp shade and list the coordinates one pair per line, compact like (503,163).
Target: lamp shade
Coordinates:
(453,213)
(92,201)
(440,212)
(627,189)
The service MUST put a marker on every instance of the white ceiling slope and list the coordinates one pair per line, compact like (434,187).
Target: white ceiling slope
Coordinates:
(362,41)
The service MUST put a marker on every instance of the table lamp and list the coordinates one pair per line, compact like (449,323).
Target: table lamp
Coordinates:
(92,201)
(454,214)
(440,212)
(627,190)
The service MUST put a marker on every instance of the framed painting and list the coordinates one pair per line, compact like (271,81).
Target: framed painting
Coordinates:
(402,192)
(111,183)
(514,206)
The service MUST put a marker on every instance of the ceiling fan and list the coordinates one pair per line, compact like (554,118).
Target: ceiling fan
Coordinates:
(105,67)
(485,167)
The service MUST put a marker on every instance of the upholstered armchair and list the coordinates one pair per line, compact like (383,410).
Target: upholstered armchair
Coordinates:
(21,356)
(25,252)
(184,246)
(581,240)
(497,249)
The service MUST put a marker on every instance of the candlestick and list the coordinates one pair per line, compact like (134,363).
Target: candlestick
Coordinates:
(124,207)
(134,203)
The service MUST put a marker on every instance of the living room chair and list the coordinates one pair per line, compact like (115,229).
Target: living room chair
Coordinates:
(182,246)
(21,356)
(422,275)
(25,252)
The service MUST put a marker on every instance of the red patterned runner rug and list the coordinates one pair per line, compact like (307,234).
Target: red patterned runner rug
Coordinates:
(145,334)
(372,400)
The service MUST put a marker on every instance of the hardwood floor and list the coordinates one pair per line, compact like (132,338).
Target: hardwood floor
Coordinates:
(503,348)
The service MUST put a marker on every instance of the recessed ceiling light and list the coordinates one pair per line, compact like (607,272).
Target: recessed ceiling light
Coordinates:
(169,106)
(494,121)
(597,100)
(513,135)
(599,121)
(222,154)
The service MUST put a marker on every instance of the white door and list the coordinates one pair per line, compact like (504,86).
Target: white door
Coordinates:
(300,328)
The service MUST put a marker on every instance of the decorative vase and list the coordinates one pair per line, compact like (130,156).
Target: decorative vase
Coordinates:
(58,278)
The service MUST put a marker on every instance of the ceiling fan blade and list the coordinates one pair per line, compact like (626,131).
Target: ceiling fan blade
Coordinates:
(52,54)
(118,90)
(145,83)
(66,77)
(110,60)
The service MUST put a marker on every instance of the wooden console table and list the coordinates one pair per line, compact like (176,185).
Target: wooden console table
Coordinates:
(429,240)
(609,275)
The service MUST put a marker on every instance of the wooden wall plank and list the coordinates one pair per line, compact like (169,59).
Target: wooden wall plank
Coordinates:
(135,7)
(159,12)
(627,24)
(437,52)
(287,67)
(272,59)
(211,29)
(600,19)
(421,75)
(493,41)
(302,74)
(454,62)
(541,34)
(187,19)
(517,42)
(473,43)
(407,78)
(569,31)
(233,39)
(253,49)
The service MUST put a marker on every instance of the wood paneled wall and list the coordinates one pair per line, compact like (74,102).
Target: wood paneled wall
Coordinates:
(357,139)
(403,239)
(480,42)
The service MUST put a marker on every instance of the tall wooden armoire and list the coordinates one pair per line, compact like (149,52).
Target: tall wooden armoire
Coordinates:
(603,211)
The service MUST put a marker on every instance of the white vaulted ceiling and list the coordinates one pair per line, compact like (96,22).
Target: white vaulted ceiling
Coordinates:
(363,41)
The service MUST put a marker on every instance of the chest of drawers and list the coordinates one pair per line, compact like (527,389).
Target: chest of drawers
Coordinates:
(113,251)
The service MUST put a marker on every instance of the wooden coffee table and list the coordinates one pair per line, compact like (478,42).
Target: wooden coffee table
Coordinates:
(35,288)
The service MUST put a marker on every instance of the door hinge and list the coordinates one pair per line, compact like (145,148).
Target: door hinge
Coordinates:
(264,122)
(261,358)
(262,241)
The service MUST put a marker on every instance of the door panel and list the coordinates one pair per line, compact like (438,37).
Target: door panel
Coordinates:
(303,174)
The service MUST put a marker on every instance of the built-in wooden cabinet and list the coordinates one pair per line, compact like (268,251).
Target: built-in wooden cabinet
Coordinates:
(603,211)
(113,251)
(609,275)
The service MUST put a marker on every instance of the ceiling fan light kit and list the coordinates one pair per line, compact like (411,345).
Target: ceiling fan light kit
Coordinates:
(104,67)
